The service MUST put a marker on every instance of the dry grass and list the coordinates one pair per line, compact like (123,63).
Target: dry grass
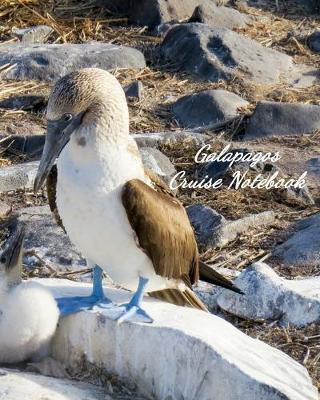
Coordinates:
(303,345)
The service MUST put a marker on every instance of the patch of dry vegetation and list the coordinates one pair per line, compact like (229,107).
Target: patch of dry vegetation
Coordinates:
(303,345)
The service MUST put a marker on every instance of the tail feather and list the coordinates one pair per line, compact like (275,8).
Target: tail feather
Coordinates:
(209,275)
(185,298)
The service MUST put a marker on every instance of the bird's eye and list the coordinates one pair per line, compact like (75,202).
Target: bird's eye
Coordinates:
(3,259)
(67,117)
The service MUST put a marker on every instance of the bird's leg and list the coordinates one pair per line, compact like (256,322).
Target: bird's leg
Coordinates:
(72,305)
(133,311)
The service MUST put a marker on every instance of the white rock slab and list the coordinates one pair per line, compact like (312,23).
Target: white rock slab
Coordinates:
(15,385)
(185,354)
(268,296)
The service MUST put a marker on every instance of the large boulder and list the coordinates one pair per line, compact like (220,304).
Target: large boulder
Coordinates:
(213,230)
(274,119)
(48,242)
(52,61)
(30,146)
(303,247)
(26,103)
(18,176)
(16,385)
(213,353)
(270,297)
(214,54)
(207,108)
(314,41)
(219,17)
(154,12)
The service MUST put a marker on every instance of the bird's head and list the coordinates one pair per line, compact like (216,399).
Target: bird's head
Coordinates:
(12,235)
(80,102)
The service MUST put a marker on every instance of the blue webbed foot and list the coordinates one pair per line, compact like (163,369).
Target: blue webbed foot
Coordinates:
(72,305)
(132,311)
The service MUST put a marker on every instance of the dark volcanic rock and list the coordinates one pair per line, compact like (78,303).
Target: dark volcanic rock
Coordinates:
(213,230)
(314,165)
(206,222)
(134,89)
(219,17)
(26,103)
(303,247)
(52,61)
(207,108)
(214,54)
(115,6)
(314,41)
(48,240)
(271,119)
(225,169)
(155,12)
(29,146)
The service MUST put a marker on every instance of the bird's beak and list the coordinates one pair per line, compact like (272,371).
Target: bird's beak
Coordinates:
(12,252)
(58,135)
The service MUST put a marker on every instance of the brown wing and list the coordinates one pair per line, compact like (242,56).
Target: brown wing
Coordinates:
(51,192)
(163,230)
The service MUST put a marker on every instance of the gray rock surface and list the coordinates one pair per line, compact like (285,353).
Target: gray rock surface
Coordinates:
(155,12)
(34,34)
(213,54)
(268,296)
(17,176)
(275,119)
(206,223)
(314,165)
(134,89)
(314,41)
(157,162)
(45,238)
(303,247)
(213,230)
(170,138)
(197,354)
(207,108)
(52,61)
(26,103)
(16,385)
(219,16)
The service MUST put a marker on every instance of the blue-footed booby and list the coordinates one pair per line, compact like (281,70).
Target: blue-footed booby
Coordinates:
(28,312)
(120,216)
